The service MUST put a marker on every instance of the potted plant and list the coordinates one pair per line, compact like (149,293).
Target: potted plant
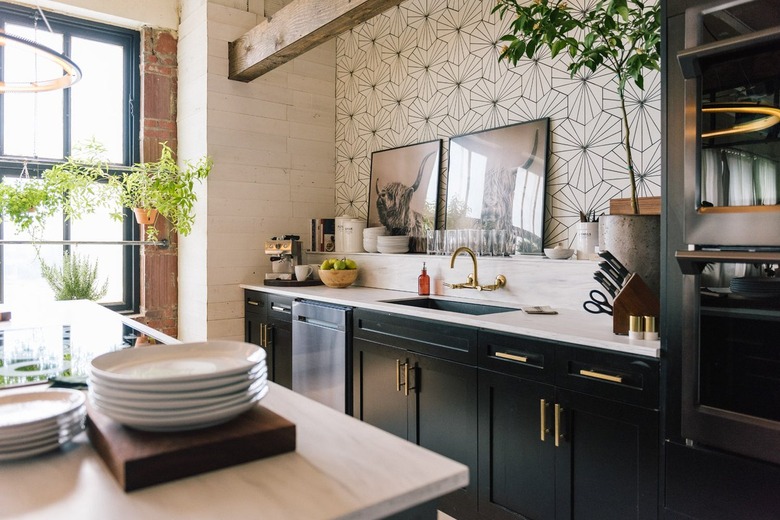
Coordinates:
(76,279)
(622,36)
(162,186)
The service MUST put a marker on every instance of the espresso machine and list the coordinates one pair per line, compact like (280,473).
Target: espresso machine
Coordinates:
(285,254)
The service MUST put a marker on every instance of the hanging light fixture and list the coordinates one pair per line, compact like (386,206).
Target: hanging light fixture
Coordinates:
(772,117)
(71,72)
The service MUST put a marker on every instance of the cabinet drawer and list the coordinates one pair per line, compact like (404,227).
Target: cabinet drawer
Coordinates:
(620,377)
(435,338)
(517,355)
(254,302)
(280,308)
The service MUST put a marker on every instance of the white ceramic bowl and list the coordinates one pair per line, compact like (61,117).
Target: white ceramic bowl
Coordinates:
(369,244)
(374,231)
(558,253)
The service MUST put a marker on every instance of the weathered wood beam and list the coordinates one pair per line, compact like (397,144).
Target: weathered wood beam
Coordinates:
(295,29)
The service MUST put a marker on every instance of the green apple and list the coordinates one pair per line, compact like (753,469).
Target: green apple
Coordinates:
(327,264)
(340,265)
(351,264)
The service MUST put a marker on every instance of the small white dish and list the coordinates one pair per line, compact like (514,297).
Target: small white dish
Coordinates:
(25,411)
(559,253)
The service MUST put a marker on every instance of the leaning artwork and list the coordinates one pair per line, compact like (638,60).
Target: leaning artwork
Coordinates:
(403,191)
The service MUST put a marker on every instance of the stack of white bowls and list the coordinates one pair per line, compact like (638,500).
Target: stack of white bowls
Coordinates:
(393,244)
(369,238)
(40,421)
(178,387)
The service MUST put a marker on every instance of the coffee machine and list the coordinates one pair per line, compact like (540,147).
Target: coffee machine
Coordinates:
(285,254)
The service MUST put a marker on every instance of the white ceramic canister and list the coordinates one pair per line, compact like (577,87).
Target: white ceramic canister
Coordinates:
(587,239)
(339,236)
(353,235)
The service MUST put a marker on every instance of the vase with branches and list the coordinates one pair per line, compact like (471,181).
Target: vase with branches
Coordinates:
(621,36)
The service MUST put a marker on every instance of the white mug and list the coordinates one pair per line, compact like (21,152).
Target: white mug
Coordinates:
(302,272)
(315,271)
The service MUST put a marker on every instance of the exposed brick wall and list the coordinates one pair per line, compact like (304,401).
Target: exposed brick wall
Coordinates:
(159,267)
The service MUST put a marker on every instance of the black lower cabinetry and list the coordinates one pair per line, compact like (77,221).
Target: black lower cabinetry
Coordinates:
(427,400)
(268,324)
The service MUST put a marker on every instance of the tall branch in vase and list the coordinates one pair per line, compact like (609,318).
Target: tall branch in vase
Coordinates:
(622,36)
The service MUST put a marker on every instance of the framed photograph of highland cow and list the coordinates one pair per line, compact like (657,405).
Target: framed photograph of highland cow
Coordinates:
(496,183)
(403,190)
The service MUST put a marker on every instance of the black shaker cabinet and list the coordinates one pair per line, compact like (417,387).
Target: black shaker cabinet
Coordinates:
(268,324)
(548,452)
(428,400)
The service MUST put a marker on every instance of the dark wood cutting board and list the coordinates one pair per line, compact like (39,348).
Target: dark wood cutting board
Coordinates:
(139,459)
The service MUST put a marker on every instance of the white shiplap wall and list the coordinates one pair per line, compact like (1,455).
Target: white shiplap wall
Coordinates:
(273,145)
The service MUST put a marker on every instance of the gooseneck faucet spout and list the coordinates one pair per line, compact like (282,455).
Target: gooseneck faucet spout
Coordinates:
(471,281)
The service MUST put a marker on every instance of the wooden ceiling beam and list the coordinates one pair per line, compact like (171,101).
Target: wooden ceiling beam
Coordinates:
(295,29)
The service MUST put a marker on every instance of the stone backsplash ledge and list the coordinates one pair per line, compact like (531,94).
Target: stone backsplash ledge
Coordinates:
(531,280)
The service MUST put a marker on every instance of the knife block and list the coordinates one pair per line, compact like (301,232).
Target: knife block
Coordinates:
(634,299)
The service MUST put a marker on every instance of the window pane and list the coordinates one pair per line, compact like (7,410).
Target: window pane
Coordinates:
(99,226)
(32,121)
(97,98)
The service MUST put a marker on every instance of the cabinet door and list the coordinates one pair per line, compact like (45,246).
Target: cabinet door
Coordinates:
(256,326)
(516,448)
(379,394)
(607,465)
(281,345)
(445,397)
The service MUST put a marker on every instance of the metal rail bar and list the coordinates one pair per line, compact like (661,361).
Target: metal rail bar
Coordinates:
(161,243)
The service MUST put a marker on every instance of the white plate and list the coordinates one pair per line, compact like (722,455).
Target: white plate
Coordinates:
(164,394)
(193,422)
(181,386)
(178,363)
(31,443)
(20,411)
(43,428)
(175,413)
(29,452)
(174,405)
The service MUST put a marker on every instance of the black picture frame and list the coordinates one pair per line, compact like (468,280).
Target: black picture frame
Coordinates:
(403,190)
(497,179)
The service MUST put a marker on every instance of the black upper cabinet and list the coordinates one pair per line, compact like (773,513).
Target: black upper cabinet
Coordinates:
(268,324)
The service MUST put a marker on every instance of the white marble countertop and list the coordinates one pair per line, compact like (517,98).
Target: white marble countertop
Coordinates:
(571,325)
(341,468)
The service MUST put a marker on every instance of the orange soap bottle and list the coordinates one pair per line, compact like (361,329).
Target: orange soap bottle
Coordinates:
(424,282)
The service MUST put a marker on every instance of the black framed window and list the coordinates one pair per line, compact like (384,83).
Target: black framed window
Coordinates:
(40,129)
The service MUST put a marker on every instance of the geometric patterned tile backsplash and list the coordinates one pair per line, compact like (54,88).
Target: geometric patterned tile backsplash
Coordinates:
(429,69)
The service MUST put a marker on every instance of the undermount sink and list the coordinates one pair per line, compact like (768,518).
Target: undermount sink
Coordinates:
(452,306)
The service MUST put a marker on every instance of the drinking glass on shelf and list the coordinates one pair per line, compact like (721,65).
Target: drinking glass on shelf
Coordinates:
(486,246)
(440,245)
(497,242)
(475,240)
(430,241)
(463,238)
(451,241)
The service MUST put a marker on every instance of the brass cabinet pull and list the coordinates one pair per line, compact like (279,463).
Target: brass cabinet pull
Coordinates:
(542,418)
(599,375)
(252,302)
(397,375)
(262,335)
(558,411)
(513,357)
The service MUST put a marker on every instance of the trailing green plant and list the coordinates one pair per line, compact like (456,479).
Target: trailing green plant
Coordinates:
(164,186)
(622,36)
(76,279)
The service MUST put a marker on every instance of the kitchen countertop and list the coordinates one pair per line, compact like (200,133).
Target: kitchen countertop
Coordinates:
(341,468)
(570,325)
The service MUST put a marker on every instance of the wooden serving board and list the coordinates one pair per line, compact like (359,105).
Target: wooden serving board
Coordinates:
(138,459)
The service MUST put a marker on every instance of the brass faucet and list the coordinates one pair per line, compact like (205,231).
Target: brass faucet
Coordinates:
(471,280)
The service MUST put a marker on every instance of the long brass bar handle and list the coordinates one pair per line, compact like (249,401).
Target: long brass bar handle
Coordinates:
(558,410)
(397,375)
(513,357)
(263,327)
(599,375)
(542,418)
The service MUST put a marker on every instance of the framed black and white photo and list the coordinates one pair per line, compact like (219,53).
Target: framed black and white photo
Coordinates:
(403,190)
(496,181)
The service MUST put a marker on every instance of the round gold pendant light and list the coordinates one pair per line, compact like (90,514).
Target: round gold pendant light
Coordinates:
(71,72)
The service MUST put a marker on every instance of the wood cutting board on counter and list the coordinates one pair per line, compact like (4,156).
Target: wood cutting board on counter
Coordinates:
(139,459)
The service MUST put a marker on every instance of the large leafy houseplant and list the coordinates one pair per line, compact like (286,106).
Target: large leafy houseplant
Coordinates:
(622,36)
(164,186)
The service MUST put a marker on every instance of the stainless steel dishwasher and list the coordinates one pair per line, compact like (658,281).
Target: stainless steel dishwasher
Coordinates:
(322,353)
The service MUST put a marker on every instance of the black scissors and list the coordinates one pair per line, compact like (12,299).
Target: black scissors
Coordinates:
(598,303)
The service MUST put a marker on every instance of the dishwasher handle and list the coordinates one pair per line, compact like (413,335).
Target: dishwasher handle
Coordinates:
(319,323)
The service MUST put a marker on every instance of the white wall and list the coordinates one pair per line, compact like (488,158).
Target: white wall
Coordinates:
(273,145)
(163,14)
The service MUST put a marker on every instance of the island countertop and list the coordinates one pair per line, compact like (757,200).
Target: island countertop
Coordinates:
(571,325)
(341,468)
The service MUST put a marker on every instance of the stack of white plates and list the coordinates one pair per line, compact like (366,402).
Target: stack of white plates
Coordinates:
(178,387)
(393,244)
(37,422)
(369,237)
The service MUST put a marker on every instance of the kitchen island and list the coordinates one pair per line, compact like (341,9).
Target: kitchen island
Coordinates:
(341,468)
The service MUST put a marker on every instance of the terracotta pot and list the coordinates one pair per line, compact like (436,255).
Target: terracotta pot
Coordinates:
(635,240)
(145,216)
